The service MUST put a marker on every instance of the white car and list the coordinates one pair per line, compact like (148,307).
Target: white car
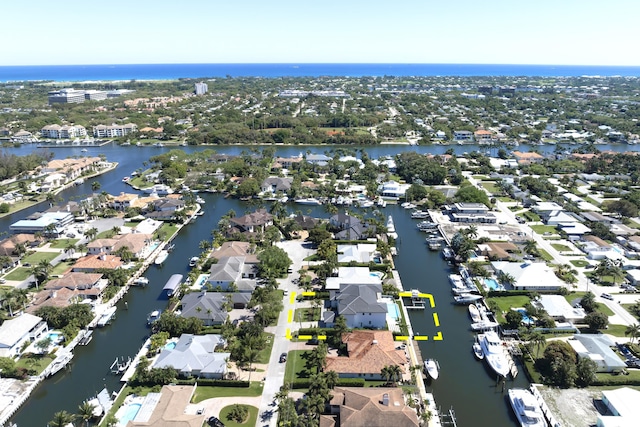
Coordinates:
(607,296)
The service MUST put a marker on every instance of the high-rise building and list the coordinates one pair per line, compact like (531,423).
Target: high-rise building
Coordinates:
(201,88)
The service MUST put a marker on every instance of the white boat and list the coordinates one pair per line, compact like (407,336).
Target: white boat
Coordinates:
(474,312)
(494,352)
(193,261)
(308,201)
(141,281)
(426,225)
(60,362)
(159,189)
(153,316)
(162,256)
(408,205)
(97,407)
(84,150)
(419,214)
(466,298)
(432,368)
(484,325)
(448,253)
(79,181)
(199,200)
(477,351)
(126,179)
(526,408)
(106,317)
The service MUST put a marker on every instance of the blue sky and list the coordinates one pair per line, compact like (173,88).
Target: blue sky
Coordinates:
(572,32)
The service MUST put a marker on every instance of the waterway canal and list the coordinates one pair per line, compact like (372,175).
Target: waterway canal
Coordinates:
(464,384)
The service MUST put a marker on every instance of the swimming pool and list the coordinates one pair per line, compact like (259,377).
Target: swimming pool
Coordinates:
(392,309)
(378,274)
(525,319)
(55,337)
(170,345)
(493,285)
(129,414)
(201,281)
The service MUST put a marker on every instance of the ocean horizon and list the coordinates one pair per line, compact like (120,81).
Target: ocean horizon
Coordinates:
(116,72)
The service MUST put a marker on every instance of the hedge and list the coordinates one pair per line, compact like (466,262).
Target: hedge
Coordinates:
(342,382)
(316,331)
(214,382)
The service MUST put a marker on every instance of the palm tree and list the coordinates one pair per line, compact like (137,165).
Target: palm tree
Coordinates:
(538,340)
(70,248)
(85,412)
(331,377)
(633,331)
(530,247)
(95,186)
(61,419)
(91,233)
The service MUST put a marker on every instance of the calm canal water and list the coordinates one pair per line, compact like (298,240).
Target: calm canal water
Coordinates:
(464,384)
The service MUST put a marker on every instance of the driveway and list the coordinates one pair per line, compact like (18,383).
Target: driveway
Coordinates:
(297,251)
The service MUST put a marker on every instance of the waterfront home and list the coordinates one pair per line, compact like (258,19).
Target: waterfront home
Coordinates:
(360,305)
(137,243)
(598,349)
(393,189)
(167,408)
(462,136)
(559,309)
(8,246)
(253,222)
(274,184)
(318,159)
(234,248)
(234,270)
(305,222)
(72,288)
(286,162)
(527,158)
(124,201)
(195,356)
(211,307)
(622,405)
(498,251)
(352,276)
(93,263)
(72,168)
(470,213)
(361,253)
(369,406)
(18,331)
(41,222)
(367,353)
(528,276)
(351,228)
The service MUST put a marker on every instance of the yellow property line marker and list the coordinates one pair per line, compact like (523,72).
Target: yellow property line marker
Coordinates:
(288,334)
(308,294)
(438,337)
(436,320)
(290,316)
(292,298)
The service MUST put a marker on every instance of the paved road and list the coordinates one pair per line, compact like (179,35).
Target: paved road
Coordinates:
(274,378)
(622,316)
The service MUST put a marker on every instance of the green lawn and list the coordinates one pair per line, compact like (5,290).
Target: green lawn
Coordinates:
(19,274)
(251,420)
(506,303)
(35,361)
(600,306)
(168,229)
(265,353)
(541,229)
(491,187)
(63,243)
(204,392)
(531,216)
(545,255)
(307,314)
(579,263)
(36,257)
(296,366)
(615,330)
(507,199)
(561,248)
(60,268)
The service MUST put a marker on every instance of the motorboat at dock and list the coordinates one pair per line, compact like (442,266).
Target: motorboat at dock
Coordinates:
(308,201)
(526,408)
(391,228)
(466,298)
(87,336)
(58,364)
(494,353)
(193,261)
(419,214)
(474,312)
(448,253)
(141,281)
(426,225)
(153,316)
(432,368)
(162,256)
(477,350)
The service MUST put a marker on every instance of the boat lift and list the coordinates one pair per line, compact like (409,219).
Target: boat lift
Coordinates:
(120,365)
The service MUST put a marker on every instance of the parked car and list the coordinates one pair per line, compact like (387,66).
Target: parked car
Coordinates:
(283,357)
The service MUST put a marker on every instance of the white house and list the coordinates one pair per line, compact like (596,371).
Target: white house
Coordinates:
(14,333)
(559,309)
(362,252)
(393,189)
(529,276)
(598,349)
(195,355)
(361,306)
(623,404)
(352,276)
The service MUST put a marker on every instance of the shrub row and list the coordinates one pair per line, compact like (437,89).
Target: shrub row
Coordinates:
(342,382)
(213,382)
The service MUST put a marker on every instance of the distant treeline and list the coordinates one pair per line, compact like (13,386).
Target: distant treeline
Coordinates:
(12,165)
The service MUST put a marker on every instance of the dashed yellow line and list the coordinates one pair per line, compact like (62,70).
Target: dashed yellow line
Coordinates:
(290,316)
(288,334)
(438,337)
(292,299)
(436,320)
